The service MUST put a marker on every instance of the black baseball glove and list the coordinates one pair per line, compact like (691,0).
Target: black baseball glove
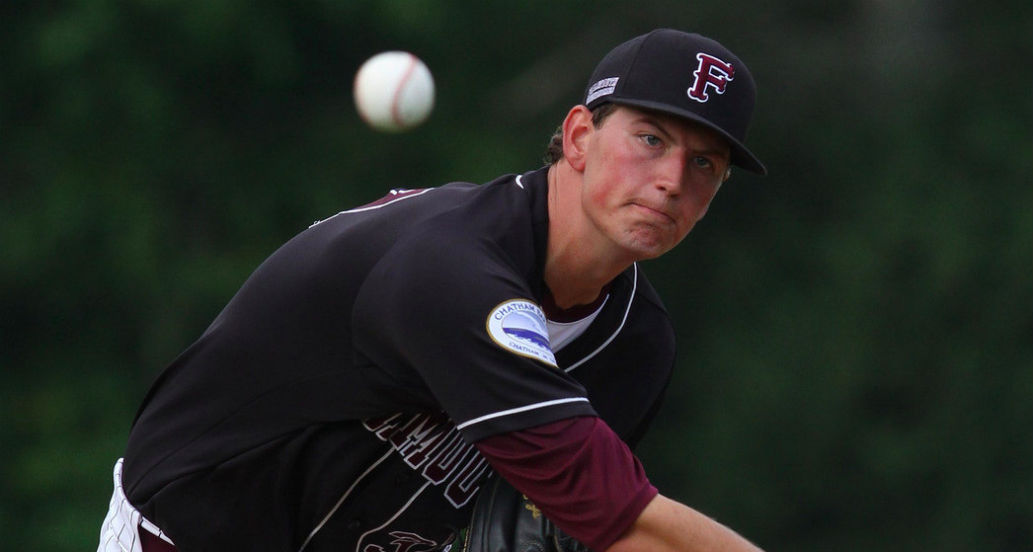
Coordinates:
(504,520)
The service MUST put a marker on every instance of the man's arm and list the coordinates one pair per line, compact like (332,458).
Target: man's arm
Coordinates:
(587,482)
(669,525)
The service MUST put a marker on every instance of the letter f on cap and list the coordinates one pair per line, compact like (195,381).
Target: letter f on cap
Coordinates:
(711,71)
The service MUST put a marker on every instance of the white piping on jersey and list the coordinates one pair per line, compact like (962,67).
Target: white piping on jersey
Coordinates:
(631,298)
(377,206)
(386,203)
(394,517)
(518,183)
(390,452)
(502,413)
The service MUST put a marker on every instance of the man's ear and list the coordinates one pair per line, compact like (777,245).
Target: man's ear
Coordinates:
(577,128)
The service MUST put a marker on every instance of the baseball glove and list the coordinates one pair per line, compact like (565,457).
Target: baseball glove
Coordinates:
(504,520)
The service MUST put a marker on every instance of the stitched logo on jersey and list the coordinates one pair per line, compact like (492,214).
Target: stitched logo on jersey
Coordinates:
(519,326)
(404,541)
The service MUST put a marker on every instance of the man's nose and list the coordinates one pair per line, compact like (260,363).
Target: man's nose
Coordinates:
(673,174)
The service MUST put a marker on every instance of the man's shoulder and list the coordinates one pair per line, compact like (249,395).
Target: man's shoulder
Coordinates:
(479,240)
(647,320)
(640,300)
(474,226)
(644,290)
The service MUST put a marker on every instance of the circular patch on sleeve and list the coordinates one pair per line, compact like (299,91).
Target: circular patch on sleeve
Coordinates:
(519,326)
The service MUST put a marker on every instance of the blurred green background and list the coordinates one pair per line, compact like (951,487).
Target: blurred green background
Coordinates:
(856,330)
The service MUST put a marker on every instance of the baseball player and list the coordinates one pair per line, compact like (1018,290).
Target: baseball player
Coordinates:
(386,364)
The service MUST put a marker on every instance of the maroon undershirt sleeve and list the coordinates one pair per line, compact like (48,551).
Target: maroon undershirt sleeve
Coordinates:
(578,472)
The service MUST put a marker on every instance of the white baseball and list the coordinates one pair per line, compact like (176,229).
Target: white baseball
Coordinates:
(394,91)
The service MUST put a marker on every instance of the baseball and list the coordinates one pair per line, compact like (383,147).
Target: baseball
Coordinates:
(394,91)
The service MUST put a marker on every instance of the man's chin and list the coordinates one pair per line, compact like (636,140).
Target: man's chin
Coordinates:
(643,250)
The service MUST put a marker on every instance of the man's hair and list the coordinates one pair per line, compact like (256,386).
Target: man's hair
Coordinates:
(554,151)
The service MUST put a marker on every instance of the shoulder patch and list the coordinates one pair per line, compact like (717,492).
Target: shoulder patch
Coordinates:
(518,325)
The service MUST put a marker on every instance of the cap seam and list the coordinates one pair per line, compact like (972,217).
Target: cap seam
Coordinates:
(633,63)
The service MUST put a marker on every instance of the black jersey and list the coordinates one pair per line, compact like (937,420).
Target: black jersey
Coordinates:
(333,403)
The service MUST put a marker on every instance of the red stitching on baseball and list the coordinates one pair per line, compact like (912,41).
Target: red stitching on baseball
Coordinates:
(396,116)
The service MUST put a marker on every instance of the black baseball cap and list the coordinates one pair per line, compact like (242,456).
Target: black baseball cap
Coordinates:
(682,74)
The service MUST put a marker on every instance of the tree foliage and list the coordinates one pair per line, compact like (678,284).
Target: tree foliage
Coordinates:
(856,364)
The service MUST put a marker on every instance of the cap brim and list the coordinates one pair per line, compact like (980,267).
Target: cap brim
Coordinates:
(740,155)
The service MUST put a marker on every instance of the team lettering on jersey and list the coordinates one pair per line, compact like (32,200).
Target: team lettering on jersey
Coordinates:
(431,445)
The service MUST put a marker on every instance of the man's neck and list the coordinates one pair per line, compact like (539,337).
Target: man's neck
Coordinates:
(579,262)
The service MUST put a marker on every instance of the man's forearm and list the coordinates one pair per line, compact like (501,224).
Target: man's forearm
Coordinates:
(667,525)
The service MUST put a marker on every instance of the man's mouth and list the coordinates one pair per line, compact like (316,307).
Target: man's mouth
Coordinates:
(654,212)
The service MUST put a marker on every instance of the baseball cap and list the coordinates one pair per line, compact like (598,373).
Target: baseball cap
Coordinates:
(682,74)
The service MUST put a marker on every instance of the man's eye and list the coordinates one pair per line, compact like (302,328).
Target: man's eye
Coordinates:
(651,140)
(702,162)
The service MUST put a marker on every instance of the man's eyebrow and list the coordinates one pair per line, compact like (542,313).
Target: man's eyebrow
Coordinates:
(651,121)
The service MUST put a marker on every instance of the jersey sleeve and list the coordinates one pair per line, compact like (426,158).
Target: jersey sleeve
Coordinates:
(579,473)
(451,324)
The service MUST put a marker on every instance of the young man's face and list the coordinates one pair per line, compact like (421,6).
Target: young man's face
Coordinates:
(649,177)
